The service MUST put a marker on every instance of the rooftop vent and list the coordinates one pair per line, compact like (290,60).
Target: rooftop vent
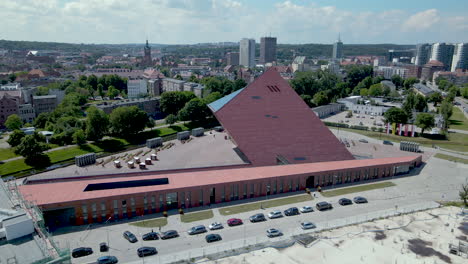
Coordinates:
(273,88)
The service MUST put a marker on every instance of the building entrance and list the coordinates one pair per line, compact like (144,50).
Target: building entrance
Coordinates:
(212,196)
(310,182)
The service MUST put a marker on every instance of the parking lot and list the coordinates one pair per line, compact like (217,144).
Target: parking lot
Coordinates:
(438,180)
(357,120)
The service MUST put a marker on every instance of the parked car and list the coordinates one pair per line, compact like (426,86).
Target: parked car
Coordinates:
(130,237)
(146,251)
(150,236)
(103,247)
(273,232)
(360,199)
(363,141)
(234,222)
(197,230)
(345,201)
(215,226)
(323,206)
(386,142)
(291,211)
(81,251)
(212,238)
(257,218)
(306,209)
(307,225)
(169,234)
(107,260)
(275,214)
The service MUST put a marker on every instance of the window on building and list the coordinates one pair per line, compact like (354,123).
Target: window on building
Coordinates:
(84,208)
(161,202)
(245,190)
(281,186)
(182,199)
(201,197)
(252,189)
(145,203)
(223,194)
(103,210)
(153,202)
(274,186)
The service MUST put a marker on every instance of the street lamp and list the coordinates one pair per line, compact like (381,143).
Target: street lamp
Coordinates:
(107,230)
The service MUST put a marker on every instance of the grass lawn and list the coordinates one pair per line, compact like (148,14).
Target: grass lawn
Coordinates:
(458,120)
(7,153)
(456,142)
(13,166)
(156,222)
(197,216)
(266,204)
(360,188)
(451,158)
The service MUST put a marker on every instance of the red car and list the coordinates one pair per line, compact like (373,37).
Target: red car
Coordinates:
(234,222)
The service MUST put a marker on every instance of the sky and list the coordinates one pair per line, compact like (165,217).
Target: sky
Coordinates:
(200,21)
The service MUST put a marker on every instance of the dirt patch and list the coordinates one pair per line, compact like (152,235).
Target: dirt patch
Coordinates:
(380,235)
(464,228)
(422,248)
(407,229)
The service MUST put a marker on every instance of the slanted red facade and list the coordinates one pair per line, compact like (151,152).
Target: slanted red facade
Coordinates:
(271,124)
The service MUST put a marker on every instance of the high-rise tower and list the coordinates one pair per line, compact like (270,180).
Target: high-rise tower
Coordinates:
(443,52)
(267,50)
(247,53)
(460,57)
(338,49)
(423,53)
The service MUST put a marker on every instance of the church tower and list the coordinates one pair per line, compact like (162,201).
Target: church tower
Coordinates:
(147,61)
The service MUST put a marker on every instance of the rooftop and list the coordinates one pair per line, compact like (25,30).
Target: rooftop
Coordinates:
(75,190)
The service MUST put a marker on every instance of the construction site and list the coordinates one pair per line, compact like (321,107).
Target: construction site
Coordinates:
(433,236)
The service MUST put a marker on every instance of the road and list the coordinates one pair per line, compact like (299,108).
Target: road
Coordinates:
(438,180)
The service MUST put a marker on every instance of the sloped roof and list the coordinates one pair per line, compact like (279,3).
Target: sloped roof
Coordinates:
(218,104)
(268,119)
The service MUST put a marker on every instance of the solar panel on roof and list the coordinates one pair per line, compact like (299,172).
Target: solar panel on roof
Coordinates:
(125,184)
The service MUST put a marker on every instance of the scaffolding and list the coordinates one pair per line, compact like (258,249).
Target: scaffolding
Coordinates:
(44,239)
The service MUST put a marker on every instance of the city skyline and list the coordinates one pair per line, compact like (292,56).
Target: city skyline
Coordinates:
(190,21)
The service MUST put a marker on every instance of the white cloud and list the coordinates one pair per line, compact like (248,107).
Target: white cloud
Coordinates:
(192,21)
(421,21)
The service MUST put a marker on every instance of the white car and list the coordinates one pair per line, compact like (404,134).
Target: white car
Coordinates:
(306,209)
(275,214)
(307,225)
(215,226)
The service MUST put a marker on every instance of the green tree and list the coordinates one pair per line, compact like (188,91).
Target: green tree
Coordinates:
(308,100)
(41,120)
(408,83)
(173,102)
(376,90)
(127,121)
(424,121)
(31,146)
(194,110)
(239,84)
(364,92)
(112,92)
(435,98)
(409,103)
(420,103)
(446,110)
(92,81)
(212,97)
(396,115)
(15,138)
(79,137)
(12,77)
(178,77)
(464,91)
(97,124)
(320,98)
(100,90)
(357,73)
(397,80)
(171,119)
(464,194)
(13,122)
(193,78)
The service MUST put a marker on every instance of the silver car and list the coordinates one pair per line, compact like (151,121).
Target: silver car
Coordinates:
(275,214)
(306,209)
(273,232)
(307,225)
(215,226)
(197,230)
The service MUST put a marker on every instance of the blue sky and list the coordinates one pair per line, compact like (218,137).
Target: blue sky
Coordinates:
(195,21)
